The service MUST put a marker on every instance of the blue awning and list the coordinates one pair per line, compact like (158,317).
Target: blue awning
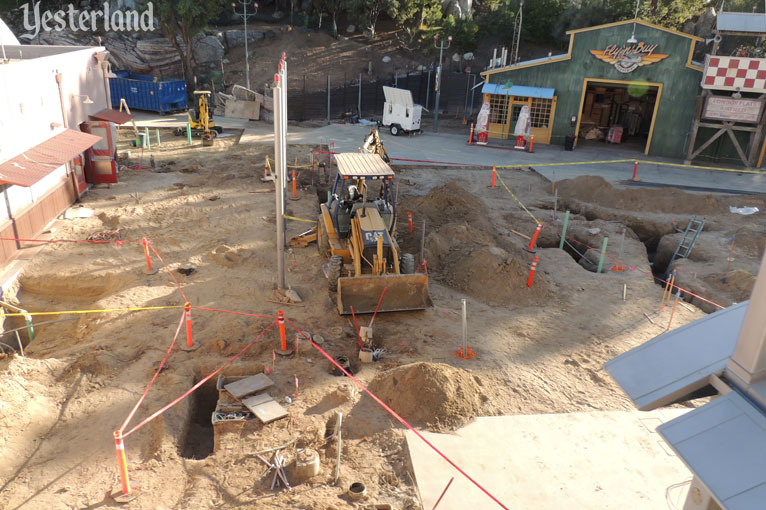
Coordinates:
(746,22)
(517,90)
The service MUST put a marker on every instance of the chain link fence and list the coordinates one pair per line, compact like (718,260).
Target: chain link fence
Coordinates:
(345,96)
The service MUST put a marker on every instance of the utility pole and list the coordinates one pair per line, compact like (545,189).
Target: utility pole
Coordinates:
(439,78)
(244,15)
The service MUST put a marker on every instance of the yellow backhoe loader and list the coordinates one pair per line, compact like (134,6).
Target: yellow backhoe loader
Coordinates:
(356,229)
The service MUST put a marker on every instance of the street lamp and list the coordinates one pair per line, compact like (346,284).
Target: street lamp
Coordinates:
(244,15)
(438,78)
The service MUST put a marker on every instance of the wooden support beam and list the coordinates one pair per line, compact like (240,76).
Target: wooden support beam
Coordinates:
(740,152)
(751,129)
(755,140)
(695,126)
(707,143)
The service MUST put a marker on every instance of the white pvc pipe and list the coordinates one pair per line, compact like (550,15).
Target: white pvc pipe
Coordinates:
(337,462)
(465,326)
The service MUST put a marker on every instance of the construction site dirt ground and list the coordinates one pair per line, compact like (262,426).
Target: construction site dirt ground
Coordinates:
(538,350)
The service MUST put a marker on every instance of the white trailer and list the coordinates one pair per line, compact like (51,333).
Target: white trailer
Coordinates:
(399,113)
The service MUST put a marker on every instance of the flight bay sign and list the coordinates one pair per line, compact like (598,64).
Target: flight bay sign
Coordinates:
(626,58)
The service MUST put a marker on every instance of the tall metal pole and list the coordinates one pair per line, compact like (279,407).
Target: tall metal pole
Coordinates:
(328,98)
(247,53)
(279,193)
(428,89)
(439,78)
(244,15)
(283,125)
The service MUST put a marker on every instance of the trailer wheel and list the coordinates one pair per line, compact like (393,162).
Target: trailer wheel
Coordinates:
(407,265)
(394,129)
(323,242)
(333,273)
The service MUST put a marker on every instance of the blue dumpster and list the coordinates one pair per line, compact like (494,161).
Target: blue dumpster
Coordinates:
(147,92)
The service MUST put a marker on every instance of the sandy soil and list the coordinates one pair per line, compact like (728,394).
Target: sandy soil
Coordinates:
(539,350)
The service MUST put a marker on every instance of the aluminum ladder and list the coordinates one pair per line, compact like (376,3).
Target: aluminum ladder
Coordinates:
(692,231)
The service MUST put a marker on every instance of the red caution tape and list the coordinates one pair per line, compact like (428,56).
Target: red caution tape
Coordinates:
(200,383)
(159,369)
(169,272)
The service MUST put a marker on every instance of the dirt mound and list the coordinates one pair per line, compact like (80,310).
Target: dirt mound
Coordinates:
(751,241)
(468,260)
(450,203)
(596,190)
(438,397)
(78,286)
(738,284)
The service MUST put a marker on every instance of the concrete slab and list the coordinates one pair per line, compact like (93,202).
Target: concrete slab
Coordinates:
(452,147)
(601,460)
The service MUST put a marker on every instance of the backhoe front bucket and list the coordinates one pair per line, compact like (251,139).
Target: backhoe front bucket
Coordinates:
(403,292)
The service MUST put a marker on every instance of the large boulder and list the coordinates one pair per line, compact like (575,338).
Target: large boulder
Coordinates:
(703,27)
(458,8)
(236,38)
(208,50)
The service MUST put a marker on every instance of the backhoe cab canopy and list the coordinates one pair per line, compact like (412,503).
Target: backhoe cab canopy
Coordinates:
(358,165)
(364,181)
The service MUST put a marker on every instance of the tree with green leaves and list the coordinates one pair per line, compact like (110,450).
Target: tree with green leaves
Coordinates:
(333,8)
(671,13)
(180,21)
(415,18)
(463,32)
(367,12)
(667,13)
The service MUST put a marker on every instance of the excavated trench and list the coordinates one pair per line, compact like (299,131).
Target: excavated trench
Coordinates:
(201,437)
(199,441)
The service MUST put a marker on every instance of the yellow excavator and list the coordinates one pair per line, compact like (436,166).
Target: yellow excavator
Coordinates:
(201,119)
(356,228)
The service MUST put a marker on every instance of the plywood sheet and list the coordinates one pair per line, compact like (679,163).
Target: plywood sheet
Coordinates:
(250,110)
(267,410)
(249,385)
(255,400)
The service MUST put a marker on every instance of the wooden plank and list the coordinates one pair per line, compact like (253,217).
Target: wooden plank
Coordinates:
(736,128)
(249,385)
(763,152)
(736,144)
(266,410)
(755,140)
(256,400)
(706,144)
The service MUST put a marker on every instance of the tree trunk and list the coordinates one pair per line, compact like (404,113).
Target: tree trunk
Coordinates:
(186,57)
(189,67)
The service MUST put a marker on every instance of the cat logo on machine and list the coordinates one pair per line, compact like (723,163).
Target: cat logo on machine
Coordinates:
(372,236)
(627,58)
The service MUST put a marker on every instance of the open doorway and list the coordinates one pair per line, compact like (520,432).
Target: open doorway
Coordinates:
(618,112)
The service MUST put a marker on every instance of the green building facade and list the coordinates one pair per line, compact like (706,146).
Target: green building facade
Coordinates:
(629,81)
